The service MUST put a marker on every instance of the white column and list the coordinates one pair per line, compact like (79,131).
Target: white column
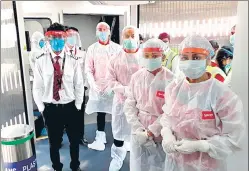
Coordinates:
(239,81)
(25,63)
(133,15)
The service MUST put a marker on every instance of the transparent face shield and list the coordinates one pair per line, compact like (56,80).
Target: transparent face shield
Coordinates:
(73,38)
(57,40)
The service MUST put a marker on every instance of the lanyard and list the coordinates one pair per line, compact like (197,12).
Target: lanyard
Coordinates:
(62,71)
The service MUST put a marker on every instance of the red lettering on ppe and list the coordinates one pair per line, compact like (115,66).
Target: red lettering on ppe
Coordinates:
(206,115)
(160,94)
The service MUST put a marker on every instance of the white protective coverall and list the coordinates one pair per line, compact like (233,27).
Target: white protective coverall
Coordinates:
(120,70)
(207,115)
(143,109)
(36,50)
(97,58)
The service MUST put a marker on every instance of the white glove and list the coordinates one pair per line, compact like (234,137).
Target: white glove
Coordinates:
(141,137)
(168,141)
(190,146)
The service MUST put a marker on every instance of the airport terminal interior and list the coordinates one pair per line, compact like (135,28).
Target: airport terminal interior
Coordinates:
(26,143)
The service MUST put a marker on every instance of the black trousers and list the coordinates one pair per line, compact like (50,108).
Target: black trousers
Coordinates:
(58,117)
(101,121)
(82,115)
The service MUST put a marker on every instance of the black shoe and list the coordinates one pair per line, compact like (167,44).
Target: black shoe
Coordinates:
(83,142)
(76,169)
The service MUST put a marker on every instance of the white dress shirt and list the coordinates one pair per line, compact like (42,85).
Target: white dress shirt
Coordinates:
(72,81)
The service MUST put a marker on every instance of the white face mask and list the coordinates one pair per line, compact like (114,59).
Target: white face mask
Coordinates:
(152,64)
(193,69)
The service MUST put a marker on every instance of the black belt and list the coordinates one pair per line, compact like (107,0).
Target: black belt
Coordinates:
(57,105)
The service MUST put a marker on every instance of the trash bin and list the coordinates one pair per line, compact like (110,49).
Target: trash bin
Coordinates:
(18,148)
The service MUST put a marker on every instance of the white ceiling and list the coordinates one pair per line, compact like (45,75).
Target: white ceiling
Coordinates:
(119,3)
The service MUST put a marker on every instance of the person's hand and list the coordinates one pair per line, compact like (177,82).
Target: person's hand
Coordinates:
(150,134)
(190,146)
(141,137)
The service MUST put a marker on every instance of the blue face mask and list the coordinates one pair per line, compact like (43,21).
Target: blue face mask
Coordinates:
(71,41)
(193,69)
(232,39)
(141,45)
(57,44)
(103,36)
(42,43)
(228,67)
(152,64)
(130,44)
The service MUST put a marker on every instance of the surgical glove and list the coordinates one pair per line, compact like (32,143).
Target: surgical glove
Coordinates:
(141,137)
(168,141)
(190,146)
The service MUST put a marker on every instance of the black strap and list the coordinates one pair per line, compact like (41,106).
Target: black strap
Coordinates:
(63,64)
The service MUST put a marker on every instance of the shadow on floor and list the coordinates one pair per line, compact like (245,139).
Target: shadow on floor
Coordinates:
(90,160)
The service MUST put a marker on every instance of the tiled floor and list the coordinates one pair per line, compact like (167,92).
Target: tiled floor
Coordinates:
(90,160)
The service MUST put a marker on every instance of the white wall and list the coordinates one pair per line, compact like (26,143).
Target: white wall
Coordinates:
(239,82)
(54,8)
(86,24)
(133,15)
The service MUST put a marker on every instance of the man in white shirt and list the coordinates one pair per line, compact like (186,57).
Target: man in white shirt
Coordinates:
(73,48)
(58,92)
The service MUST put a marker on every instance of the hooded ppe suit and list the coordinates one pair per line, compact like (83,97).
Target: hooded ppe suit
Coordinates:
(206,118)
(97,59)
(120,70)
(143,109)
(100,100)
(36,50)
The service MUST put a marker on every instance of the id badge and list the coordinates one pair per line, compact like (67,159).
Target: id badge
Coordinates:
(62,94)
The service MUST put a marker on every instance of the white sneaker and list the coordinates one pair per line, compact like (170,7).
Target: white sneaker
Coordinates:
(97,145)
(127,146)
(118,155)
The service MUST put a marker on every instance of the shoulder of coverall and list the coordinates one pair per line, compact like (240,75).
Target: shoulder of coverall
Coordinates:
(139,73)
(169,74)
(92,46)
(222,91)
(115,44)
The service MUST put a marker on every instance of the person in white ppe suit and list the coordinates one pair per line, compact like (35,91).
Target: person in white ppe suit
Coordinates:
(203,119)
(73,47)
(100,95)
(143,108)
(120,70)
(37,49)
